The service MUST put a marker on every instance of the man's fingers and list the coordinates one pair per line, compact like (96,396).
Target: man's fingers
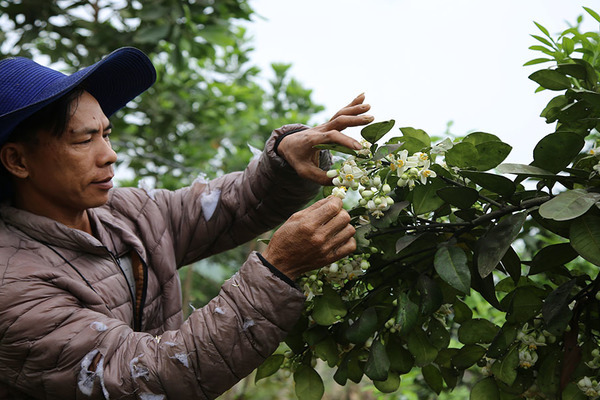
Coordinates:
(324,210)
(341,251)
(310,171)
(357,100)
(337,137)
(352,110)
(344,121)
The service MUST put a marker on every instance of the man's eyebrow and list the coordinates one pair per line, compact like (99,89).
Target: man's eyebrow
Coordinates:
(92,130)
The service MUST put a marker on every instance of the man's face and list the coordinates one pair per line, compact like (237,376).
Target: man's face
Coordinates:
(72,173)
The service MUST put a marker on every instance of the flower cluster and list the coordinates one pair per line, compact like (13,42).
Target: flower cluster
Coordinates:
(335,274)
(363,174)
(589,387)
(411,168)
(594,363)
(530,340)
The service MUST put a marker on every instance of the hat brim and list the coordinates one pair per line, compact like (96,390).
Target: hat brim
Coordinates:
(113,81)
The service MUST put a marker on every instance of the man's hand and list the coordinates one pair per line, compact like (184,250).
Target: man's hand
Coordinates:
(312,238)
(298,149)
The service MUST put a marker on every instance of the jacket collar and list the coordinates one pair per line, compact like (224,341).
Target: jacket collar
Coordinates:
(46,230)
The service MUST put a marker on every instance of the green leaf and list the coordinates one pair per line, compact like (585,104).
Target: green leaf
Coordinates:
(552,256)
(505,370)
(512,264)
(477,138)
(418,134)
(543,40)
(553,108)
(420,347)
(522,169)
(462,155)
(315,334)
(549,371)
(585,238)
(433,378)
(568,205)
(269,366)
(327,350)
(408,313)
(524,304)
(551,79)
(557,150)
(309,385)
(335,147)
(364,327)
(494,183)
(461,197)
(537,61)
(451,265)
(490,155)
(401,360)
(373,132)
(462,312)
(430,294)
(593,13)
(485,389)
(405,241)
(151,34)
(328,308)
(425,198)
(477,331)
(556,311)
(411,144)
(350,368)
(468,356)
(390,385)
(494,244)
(544,30)
(438,334)
(503,340)
(378,363)
(572,392)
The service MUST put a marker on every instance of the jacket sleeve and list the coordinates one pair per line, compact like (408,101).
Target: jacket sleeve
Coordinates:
(58,341)
(211,217)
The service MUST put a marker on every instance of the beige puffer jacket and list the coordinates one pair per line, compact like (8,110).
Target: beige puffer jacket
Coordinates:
(67,319)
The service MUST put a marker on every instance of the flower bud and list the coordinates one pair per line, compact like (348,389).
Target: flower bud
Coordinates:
(332,173)
(377,181)
(367,194)
(386,188)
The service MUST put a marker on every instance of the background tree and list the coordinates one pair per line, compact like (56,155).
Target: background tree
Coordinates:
(203,112)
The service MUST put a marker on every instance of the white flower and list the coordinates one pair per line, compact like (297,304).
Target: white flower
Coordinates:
(442,147)
(425,172)
(366,149)
(398,163)
(339,191)
(527,358)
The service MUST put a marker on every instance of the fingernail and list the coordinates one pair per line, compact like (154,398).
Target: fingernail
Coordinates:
(362,94)
(368,118)
(357,146)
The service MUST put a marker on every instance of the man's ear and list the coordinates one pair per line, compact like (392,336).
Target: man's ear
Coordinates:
(12,156)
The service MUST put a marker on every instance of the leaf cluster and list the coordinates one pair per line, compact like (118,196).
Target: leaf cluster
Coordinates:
(524,238)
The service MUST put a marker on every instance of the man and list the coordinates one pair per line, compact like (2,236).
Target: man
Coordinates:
(90,300)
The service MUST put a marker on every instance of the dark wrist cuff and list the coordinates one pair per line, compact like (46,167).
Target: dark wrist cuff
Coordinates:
(280,138)
(276,272)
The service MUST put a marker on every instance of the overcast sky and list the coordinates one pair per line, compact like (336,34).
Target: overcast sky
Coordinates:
(421,62)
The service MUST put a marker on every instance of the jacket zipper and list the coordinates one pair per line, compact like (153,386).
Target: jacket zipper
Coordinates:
(137,316)
(138,321)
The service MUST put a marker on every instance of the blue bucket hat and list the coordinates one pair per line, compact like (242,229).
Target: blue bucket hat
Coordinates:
(26,86)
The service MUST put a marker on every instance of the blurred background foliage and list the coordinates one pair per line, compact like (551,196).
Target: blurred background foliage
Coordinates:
(209,103)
